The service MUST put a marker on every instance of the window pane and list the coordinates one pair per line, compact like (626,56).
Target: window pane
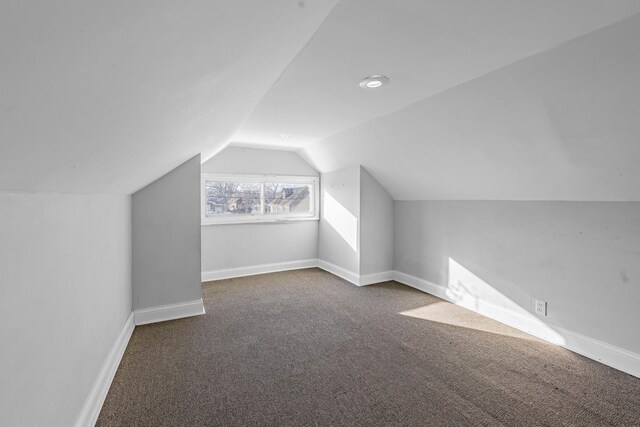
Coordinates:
(283,198)
(232,198)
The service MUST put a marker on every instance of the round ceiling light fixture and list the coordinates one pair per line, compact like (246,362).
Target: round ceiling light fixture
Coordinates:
(373,82)
(284,135)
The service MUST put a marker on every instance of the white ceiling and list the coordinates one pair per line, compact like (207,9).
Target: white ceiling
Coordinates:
(492,99)
(425,47)
(562,125)
(105,97)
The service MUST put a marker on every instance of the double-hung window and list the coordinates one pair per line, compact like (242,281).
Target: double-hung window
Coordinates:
(258,198)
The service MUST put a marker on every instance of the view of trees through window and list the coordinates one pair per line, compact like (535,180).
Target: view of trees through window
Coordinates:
(257,198)
(225,197)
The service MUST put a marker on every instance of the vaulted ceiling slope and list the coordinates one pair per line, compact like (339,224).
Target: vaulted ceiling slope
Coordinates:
(105,97)
(425,47)
(561,125)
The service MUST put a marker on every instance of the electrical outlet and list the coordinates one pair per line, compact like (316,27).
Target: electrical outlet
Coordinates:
(540,307)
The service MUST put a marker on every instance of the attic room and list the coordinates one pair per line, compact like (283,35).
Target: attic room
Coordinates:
(320,212)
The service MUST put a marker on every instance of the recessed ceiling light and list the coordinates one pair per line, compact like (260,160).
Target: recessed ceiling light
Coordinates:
(374,82)
(284,135)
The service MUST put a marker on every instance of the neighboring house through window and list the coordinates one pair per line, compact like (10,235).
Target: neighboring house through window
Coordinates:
(258,198)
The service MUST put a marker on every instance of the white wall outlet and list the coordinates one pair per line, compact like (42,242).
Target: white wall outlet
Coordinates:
(540,307)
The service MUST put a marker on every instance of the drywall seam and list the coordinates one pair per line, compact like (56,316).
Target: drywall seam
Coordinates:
(92,406)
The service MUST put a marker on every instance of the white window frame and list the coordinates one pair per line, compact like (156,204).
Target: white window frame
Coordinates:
(314,215)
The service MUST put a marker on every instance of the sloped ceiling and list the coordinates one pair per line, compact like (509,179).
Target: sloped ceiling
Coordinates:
(425,47)
(562,125)
(105,97)
(491,100)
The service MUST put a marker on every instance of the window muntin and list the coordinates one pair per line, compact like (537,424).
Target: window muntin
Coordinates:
(252,198)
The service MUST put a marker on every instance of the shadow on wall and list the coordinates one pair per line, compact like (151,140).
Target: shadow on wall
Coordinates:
(467,290)
(340,219)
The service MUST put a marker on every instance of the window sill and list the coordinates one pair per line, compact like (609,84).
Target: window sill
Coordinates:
(257,221)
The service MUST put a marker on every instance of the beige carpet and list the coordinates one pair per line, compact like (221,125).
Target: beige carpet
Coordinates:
(305,348)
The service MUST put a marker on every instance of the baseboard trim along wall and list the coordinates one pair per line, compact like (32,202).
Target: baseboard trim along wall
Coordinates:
(169,312)
(348,275)
(356,279)
(230,273)
(92,406)
(370,279)
(343,273)
(592,348)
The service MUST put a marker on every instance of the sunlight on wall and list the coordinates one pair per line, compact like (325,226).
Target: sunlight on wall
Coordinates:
(469,291)
(467,288)
(451,314)
(470,294)
(343,221)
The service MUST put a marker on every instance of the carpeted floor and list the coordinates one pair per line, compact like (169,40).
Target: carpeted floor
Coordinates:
(305,348)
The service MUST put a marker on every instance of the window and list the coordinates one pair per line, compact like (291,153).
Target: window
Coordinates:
(258,198)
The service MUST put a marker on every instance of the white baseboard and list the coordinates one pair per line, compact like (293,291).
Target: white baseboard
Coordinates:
(370,279)
(169,312)
(347,275)
(356,279)
(92,406)
(610,355)
(482,307)
(420,284)
(230,273)
(350,276)
(592,348)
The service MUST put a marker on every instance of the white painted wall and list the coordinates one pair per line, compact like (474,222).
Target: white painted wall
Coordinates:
(376,226)
(339,231)
(65,294)
(229,246)
(581,257)
(166,239)
(255,161)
